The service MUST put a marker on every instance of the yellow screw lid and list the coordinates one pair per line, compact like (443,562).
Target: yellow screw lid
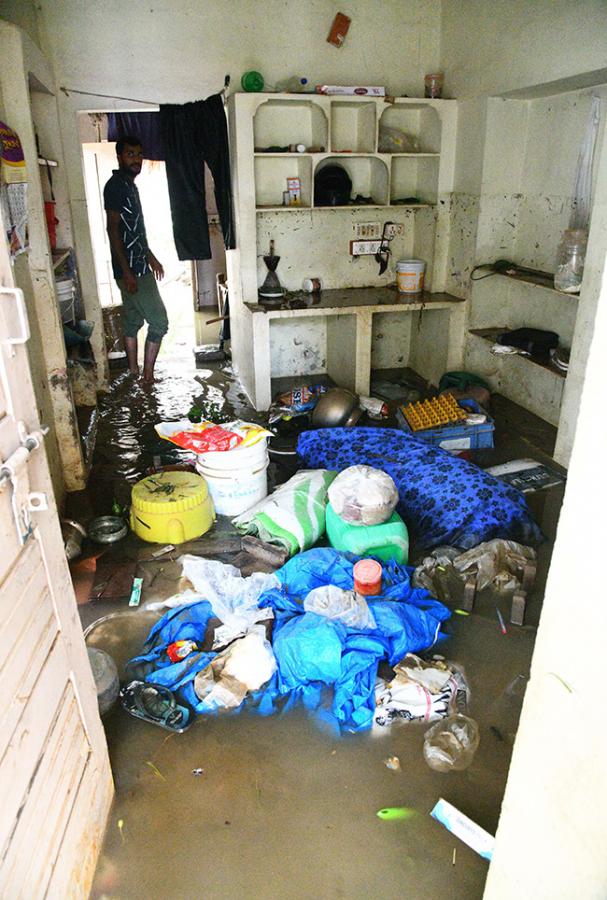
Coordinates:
(175,491)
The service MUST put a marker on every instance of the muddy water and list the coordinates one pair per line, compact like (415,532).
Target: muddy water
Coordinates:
(285,810)
(127,444)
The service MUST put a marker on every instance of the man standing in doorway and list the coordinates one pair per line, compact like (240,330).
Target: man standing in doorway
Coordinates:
(135,267)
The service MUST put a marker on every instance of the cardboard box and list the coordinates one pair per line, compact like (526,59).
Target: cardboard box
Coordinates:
(351,90)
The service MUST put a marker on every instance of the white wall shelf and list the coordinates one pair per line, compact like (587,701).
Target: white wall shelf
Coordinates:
(314,240)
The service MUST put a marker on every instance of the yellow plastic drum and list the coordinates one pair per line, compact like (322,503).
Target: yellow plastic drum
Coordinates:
(171,507)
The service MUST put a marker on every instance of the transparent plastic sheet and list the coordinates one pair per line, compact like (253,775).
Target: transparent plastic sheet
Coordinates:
(363,495)
(495,562)
(498,563)
(450,745)
(233,598)
(394,140)
(343,606)
(582,190)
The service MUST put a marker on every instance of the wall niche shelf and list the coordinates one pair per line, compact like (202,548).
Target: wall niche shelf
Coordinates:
(343,131)
(490,335)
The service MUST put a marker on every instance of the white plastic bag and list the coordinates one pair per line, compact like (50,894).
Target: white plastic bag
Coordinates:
(244,666)
(344,606)
(233,598)
(362,495)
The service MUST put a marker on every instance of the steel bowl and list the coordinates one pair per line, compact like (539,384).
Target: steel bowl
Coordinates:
(336,408)
(107,529)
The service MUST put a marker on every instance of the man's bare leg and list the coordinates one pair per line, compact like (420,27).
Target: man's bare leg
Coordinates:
(130,345)
(149,361)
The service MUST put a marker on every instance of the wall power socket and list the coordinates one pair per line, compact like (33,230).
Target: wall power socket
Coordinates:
(364,248)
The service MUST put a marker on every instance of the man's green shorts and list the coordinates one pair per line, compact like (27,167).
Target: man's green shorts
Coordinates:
(144,306)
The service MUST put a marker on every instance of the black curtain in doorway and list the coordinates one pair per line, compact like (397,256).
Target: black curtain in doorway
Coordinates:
(194,134)
(186,137)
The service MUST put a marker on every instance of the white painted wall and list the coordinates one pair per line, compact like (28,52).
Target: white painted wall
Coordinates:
(179,51)
(515,166)
(505,45)
(551,837)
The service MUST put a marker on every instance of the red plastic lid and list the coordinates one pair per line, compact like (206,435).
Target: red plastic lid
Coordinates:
(367,571)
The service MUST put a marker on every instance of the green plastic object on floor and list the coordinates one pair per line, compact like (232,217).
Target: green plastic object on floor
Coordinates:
(385,542)
(395,813)
(461,380)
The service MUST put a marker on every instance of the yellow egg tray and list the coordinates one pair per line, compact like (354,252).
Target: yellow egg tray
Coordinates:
(433,413)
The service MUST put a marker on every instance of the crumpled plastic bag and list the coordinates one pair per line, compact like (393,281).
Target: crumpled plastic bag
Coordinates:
(308,649)
(343,606)
(205,437)
(363,495)
(233,598)
(246,665)
(498,562)
(450,745)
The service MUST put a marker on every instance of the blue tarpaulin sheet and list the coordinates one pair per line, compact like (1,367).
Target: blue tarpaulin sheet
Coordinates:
(312,652)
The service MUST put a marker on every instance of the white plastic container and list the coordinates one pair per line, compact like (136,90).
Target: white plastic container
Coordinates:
(66,298)
(237,479)
(410,275)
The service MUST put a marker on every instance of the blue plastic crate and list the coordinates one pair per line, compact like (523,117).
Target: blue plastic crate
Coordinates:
(455,437)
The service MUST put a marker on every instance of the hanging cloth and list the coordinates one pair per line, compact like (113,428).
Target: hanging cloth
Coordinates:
(144,125)
(194,134)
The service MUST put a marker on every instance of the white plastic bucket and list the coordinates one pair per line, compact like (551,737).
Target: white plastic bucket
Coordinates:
(237,479)
(410,275)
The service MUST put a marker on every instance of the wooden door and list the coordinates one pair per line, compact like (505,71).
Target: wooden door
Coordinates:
(55,778)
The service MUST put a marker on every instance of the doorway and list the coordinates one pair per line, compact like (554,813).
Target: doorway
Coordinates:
(187,287)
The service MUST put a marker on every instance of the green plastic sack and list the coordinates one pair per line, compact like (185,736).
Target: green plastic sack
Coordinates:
(294,515)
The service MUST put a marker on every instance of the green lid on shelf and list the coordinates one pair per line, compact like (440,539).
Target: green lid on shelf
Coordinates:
(252,82)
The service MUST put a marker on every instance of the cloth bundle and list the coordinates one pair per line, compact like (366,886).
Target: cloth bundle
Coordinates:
(420,691)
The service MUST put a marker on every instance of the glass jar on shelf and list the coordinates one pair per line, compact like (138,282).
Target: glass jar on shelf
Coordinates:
(570,260)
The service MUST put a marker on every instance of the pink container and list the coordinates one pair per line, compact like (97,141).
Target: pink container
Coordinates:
(367,577)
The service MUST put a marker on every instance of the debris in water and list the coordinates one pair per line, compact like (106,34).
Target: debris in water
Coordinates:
(163,550)
(156,771)
(393,763)
(136,592)
(461,612)
(454,855)
(500,619)
(392,813)
(197,772)
(120,829)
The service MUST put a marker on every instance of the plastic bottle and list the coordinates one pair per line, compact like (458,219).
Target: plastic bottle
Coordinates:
(570,260)
(293,85)
(451,743)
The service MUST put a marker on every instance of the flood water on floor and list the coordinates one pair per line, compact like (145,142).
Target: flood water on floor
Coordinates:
(283,809)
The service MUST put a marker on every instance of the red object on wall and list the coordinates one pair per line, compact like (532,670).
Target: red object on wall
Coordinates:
(339,30)
(51,223)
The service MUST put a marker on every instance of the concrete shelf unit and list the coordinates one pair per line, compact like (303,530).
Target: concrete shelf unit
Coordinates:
(314,241)
(529,165)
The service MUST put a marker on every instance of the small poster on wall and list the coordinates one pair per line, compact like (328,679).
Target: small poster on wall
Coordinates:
(13,190)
